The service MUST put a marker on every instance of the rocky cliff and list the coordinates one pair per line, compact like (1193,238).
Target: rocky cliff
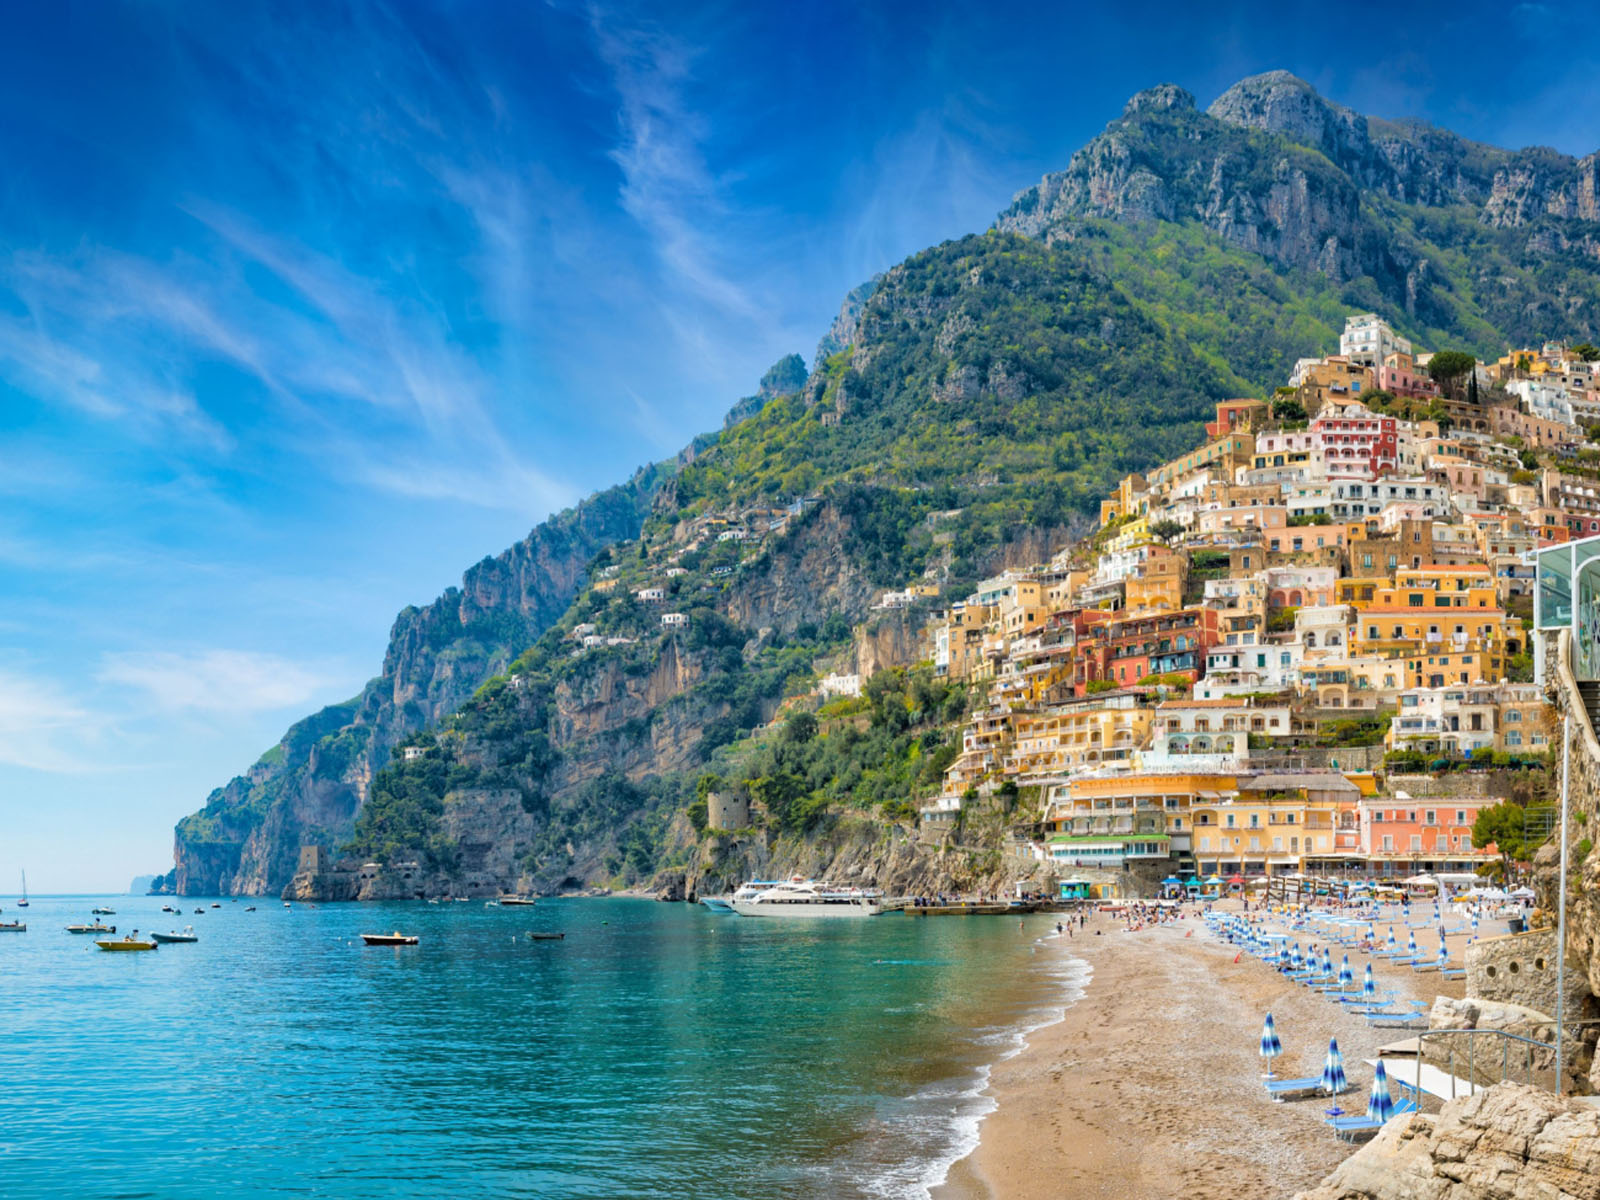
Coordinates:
(1274,168)
(246,839)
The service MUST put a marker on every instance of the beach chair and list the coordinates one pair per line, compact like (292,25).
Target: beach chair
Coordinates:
(1351,1128)
(1416,1019)
(1454,973)
(1282,1089)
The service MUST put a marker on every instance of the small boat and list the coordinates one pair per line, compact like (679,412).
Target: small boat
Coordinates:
(102,912)
(252,908)
(200,912)
(545,937)
(13,927)
(188,935)
(23,903)
(389,939)
(517,901)
(216,905)
(168,908)
(286,904)
(130,942)
(97,927)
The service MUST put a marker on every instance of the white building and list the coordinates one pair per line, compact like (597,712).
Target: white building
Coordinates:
(674,620)
(844,685)
(650,595)
(1368,339)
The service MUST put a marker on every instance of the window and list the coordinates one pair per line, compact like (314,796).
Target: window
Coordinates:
(1461,816)
(1430,817)
(1416,843)
(1388,843)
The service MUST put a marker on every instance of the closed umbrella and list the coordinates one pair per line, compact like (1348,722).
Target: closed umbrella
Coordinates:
(1271,1047)
(1295,961)
(1390,943)
(1380,1104)
(1346,975)
(1444,955)
(1411,943)
(1333,1080)
(1369,985)
(1327,963)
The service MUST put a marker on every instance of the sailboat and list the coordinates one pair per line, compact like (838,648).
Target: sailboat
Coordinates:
(23,903)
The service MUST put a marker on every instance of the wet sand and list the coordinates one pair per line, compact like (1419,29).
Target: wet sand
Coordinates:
(1151,1085)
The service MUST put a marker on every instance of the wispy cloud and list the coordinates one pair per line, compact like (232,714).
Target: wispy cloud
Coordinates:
(226,683)
(41,728)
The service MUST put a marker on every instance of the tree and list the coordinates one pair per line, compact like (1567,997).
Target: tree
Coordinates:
(1377,399)
(1166,530)
(1587,351)
(1503,826)
(1288,409)
(1448,366)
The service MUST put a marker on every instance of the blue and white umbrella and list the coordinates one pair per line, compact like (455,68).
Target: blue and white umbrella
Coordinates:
(1369,985)
(1271,1047)
(1295,961)
(1346,975)
(1380,1104)
(1372,933)
(1411,943)
(1333,1080)
(1390,943)
(1327,963)
(1444,955)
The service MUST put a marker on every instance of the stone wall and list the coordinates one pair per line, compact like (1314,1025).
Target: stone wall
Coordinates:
(1520,968)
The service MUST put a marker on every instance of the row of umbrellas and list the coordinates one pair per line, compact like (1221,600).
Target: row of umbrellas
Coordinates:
(1380,1101)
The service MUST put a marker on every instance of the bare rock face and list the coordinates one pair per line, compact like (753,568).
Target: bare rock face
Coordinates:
(246,839)
(1509,1142)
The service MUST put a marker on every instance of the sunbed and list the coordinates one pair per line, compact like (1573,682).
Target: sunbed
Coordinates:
(1350,1128)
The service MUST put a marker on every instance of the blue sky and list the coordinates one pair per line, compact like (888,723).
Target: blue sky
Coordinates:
(306,307)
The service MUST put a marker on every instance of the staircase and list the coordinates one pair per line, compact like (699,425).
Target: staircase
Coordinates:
(1590,691)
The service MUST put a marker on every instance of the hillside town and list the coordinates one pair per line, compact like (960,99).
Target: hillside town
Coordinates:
(1282,651)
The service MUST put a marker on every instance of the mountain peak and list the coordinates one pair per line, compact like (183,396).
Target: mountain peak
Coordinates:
(1282,103)
(1161,98)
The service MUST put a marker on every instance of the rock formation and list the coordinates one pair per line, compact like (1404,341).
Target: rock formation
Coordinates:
(1508,1142)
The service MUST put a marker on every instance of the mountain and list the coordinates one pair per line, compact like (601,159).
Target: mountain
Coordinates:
(1471,243)
(564,717)
(246,838)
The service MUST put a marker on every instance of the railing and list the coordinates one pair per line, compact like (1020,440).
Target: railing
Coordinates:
(1517,1055)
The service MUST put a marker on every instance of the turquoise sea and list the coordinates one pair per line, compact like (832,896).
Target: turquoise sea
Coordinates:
(659,1050)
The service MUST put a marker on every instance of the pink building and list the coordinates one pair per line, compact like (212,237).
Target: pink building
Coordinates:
(1401,835)
(1356,443)
(1404,381)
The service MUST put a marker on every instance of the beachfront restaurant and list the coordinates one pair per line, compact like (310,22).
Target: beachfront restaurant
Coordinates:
(1110,852)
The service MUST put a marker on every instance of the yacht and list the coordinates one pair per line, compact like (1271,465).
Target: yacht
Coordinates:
(745,891)
(808,898)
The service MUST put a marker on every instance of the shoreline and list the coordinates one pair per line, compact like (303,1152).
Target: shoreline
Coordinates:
(1148,1086)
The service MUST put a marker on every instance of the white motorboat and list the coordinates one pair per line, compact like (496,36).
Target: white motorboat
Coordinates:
(745,891)
(807,898)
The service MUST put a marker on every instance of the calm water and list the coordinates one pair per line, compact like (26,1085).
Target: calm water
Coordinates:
(660,1050)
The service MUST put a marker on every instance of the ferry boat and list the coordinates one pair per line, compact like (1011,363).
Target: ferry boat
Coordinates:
(745,891)
(807,898)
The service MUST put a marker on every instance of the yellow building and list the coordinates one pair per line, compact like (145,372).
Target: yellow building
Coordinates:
(1156,585)
(1074,737)
(1226,453)
(1272,824)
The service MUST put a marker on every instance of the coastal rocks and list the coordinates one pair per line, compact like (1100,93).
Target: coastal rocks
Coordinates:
(1508,1142)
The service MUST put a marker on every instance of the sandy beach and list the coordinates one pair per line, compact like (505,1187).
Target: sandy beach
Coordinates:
(1150,1087)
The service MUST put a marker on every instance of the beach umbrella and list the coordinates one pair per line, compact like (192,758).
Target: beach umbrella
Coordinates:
(1444,955)
(1380,1104)
(1327,964)
(1390,943)
(1271,1047)
(1346,975)
(1411,943)
(1333,1080)
(1372,933)
(1369,985)
(1295,961)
